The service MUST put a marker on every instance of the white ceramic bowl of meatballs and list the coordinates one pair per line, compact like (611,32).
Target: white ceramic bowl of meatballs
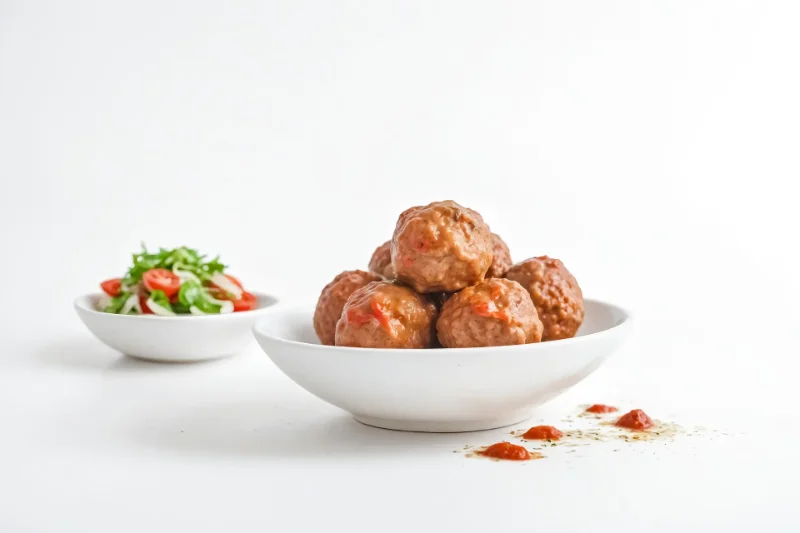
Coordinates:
(444,333)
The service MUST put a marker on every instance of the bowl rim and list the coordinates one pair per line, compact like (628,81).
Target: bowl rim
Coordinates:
(81,305)
(621,327)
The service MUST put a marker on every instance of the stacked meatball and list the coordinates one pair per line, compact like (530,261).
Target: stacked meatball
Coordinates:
(445,280)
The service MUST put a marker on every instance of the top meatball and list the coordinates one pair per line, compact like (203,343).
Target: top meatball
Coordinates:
(495,312)
(381,262)
(555,293)
(386,315)
(332,300)
(441,247)
(502,258)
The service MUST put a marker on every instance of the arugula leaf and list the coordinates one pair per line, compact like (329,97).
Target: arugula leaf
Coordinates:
(187,259)
(116,303)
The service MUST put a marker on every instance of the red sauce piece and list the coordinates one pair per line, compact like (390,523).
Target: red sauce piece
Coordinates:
(383,318)
(601,408)
(636,419)
(489,310)
(357,316)
(507,451)
(542,433)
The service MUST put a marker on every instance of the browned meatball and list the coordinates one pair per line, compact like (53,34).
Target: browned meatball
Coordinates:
(502,258)
(333,298)
(381,262)
(495,312)
(441,247)
(555,293)
(387,315)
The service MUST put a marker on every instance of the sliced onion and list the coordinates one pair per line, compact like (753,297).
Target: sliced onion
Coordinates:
(157,309)
(226,306)
(223,282)
(185,275)
(131,303)
(195,311)
(102,302)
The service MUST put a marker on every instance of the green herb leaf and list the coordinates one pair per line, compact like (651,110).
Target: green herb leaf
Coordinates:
(161,299)
(193,294)
(116,303)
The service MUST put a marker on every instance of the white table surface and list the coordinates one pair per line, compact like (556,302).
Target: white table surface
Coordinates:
(650,145)
(95,441)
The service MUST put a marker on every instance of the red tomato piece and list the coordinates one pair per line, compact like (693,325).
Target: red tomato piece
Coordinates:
(143,304)
(111,286)
(247,302)
(161,279)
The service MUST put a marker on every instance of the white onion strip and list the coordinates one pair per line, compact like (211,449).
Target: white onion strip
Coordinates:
(157,309)
(131,303)
(223,282)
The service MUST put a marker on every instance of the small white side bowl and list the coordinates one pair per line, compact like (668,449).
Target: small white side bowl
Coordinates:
(441,390)
(172,339)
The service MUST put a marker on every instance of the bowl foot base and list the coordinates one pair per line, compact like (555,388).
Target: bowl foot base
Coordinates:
(427,426)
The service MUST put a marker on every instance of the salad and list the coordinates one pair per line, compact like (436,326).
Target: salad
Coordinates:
(175,282)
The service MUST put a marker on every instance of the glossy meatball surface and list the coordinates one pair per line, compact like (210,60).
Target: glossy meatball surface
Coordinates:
(442,247)
(555,293)
(381,261)
(332,300)
(495,312)
(501,261)
(384,314)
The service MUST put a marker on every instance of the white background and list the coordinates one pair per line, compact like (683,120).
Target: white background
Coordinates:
(650,145)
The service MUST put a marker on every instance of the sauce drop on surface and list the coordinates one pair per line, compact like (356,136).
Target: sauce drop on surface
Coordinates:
(542,433)
(601,408)
(636,419)
(507,451)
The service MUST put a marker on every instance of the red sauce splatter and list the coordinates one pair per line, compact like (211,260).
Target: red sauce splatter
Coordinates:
(542,433)
(507,451)
(636,419)
(489,310)
(601,408)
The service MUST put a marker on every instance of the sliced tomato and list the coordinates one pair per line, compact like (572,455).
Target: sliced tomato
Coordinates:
(247,302)
(111,286)
(161,279)
(143,304)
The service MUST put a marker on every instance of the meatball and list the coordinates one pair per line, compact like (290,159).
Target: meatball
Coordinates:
(332,300)
(555,293)
(441,247)
(381,262)
(495,312)
(502,258)
(384,314)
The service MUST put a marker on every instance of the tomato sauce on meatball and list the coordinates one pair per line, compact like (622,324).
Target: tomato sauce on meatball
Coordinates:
(555,293)
(381,261)
(385,314)
(502,258)
(332,300)
(495,312)
(441,247)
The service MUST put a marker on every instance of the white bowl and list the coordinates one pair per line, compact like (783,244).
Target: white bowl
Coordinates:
(172,339)
(443,390)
